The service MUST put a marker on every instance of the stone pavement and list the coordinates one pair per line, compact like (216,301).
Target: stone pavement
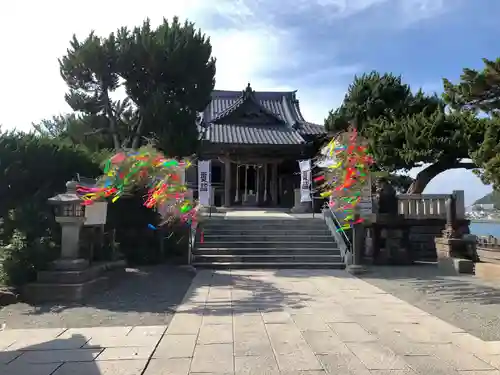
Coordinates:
(263,322)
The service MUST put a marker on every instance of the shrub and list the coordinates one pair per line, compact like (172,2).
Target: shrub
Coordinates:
(21,259)
(32,170)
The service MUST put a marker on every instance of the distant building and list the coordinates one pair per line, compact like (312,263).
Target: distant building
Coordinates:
(483,207)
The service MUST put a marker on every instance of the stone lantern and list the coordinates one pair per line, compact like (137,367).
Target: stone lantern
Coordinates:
(70,214)
(71,278)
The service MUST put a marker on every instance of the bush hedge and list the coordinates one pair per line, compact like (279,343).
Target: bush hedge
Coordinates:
(32,170)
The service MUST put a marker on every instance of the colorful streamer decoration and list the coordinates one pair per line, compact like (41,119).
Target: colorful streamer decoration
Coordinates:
(345,169)
(145,167)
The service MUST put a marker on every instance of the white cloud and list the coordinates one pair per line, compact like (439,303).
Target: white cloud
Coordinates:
(35,34)
(247,43)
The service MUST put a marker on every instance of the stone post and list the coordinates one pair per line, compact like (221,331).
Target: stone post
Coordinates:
(70,236)
(358,245)
(450,248)
(298,206)
(450,230)
(459,203)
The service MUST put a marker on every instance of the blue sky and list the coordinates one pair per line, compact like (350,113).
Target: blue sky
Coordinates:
(313,46)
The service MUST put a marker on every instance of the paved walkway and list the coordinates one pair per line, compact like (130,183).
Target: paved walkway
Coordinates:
(133,299)
(263,322)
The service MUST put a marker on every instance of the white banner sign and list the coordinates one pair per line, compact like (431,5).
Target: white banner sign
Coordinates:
(365,204)
(204,182)
(305,180)
(95,213)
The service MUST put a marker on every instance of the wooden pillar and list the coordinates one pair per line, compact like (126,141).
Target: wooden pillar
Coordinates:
(265,183)
(274,183)
(257,184)
(227,183)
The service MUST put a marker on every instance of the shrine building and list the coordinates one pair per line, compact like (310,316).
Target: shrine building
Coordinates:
(254,140)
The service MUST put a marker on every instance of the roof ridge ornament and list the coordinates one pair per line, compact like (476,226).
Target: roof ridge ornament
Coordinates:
(248,91)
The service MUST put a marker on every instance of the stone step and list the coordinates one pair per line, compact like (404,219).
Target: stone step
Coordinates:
(269,225)
(269,219)
(67,277)
(270,264)
(266,232)
(269,244)
(260,258)
(51,292)
(275,251)
(78,276)
(259,237)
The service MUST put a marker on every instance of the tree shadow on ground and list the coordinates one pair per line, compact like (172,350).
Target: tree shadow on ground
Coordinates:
(245,294)
(435,284)
(425,278)
(150,296)
(58,356)
(142,296)
(313,272)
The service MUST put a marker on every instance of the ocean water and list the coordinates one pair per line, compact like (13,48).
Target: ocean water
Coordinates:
(485,229)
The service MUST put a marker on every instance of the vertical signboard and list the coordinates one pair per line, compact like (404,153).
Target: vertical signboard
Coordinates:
(305,180)
(204,182)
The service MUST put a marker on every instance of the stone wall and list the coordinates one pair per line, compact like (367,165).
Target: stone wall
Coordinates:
(488,249)
(422,235)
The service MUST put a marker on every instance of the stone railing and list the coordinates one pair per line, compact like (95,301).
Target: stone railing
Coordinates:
(429,206)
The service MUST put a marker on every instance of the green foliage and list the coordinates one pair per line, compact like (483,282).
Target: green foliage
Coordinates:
(404,129)
(400,183)
(168,74)
(75,129)
(491,198)
(478,92)
(21,259)
(487,155)
(38,167)
(33,169)
(137,242)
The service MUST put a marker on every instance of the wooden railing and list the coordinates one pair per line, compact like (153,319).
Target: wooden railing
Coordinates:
(429,206)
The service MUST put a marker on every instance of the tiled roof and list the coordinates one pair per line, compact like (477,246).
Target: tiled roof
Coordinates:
(310,128)
(253,134)
(283,106)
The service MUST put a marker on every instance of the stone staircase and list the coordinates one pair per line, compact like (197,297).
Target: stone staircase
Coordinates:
(267,243)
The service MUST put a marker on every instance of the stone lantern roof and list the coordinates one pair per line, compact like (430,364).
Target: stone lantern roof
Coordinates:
(66,198)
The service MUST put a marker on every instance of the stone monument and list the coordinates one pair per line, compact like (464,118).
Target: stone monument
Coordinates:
(70,278)
(452,248)
(390,234)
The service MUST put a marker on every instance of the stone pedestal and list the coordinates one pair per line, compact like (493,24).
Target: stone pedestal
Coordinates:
(207,209)
(250,200)
(358,248)
(452,255)
(356,269)
(67,264)
(449,247)
(300,207)
(211,208)
(73,283)
(70,278)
